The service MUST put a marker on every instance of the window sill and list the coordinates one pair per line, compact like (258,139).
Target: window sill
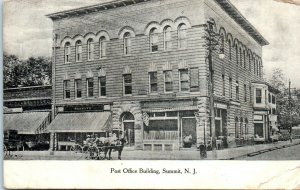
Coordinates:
(102,58)
(127,95)
(102,97)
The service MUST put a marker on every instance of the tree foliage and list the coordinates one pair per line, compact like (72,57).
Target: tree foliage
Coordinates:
(30,72)
(288,110)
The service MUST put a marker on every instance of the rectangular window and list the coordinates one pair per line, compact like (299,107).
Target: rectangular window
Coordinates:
(184,80)
(127,82)
(250,93)
(194,79)
(273,99)
(245,93)
(230,87)
(102,86)
(67,92)
(153,82)
(223,85)
(78,88)
(168,81)
(154,41)
(269,97)
(258,96)
(90,87)
(237,91)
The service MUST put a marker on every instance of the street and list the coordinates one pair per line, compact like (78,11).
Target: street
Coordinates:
(290,153)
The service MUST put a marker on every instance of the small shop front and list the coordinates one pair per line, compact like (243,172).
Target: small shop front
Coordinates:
(69,129)
(261,131)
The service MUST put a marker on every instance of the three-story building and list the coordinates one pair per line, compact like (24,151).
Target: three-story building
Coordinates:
(140,67)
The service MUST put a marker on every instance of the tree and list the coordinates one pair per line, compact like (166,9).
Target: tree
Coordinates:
(278,80)
(30,72)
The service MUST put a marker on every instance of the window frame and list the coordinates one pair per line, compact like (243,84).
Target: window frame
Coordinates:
(67,51)
(78,51)
(153,83)
(102,47)
(88,87)
(90,49)
(171,82)
(223,85)
(127,84)
(245,92)
(181,81)
(66,89)
(154,41)
(182,38)
(127,43)
(230,88)
(166,40)
(237,90)
(76,88)
(256,96)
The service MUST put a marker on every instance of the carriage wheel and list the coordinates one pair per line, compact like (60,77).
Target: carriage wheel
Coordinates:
(93,152)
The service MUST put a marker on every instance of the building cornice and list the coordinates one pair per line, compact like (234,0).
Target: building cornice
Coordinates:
(234,13)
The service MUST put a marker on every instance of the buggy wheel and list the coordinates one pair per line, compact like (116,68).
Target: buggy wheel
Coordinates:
(93,152)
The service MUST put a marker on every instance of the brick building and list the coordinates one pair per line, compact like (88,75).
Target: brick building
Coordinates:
(139,66)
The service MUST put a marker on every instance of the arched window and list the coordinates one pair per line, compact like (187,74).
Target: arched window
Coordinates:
(237,54)
(127,43)
(167,38)
(249,62)
(222,42)
(78,51)
(67,52)
(102,46)
(241,57)
(254,66)
(182,36)
(230,50)
(244,55)
(90,46)
(153,40)
(257,68)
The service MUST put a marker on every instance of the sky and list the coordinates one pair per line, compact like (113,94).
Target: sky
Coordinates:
(28,32)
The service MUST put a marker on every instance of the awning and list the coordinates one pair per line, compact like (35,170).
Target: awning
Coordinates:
(26,122)
(81,122)
(182,108)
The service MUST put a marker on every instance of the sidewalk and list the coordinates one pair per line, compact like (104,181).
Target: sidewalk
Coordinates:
(225,154)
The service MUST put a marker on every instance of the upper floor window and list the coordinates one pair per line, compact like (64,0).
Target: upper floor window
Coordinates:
(67,92)
(90,46)
(168,81)
(102,46)
(245,93)
(237,90)
(167,38)
(78,47)
(258,96)
(223,85)
(194,79)
(249,62)
(273,99)
(153,40)
(241,57)
(244,56)
(182,36)
(269,98)
(153,82)
(127,43)
(90,87)
(237,54)
(102,86)
(229,49)
(184,80)
(254,67)
(250,92)
(230,87)
(67,52)
(78,88)
(127,84)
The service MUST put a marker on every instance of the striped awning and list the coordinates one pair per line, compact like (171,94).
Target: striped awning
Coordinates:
(81,122)
(26,122)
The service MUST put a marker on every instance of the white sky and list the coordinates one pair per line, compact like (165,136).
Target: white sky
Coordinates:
(27,32)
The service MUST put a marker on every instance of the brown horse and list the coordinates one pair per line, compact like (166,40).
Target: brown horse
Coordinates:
(118,146)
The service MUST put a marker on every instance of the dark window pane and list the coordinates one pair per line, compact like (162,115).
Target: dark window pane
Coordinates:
(103,91)
(169,86)
(172,114)
(153,87)
(160,114)
(128,90)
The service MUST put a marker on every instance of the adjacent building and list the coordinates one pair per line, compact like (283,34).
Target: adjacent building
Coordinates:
(140,67)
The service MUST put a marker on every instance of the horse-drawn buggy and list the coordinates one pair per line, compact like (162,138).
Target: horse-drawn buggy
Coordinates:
(95,148)
(12,142)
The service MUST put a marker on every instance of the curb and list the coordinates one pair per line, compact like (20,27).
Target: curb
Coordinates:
(263,151)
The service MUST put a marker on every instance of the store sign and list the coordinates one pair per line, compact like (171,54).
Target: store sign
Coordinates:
(84,108)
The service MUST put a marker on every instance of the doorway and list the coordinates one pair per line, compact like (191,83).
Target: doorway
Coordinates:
(128,129)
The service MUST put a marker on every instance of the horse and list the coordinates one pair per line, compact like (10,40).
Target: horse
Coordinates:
(118,145)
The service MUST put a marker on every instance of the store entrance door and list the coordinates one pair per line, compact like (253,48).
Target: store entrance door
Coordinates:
(188,126)
(128,129)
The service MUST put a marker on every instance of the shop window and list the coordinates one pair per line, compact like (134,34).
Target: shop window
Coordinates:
(168,81)
(194,79)
(160,114)
(258,130)
(171,114)
(78,88)
(182,36)
(184,80)
(241,128)
(102,46)
(102,86)
(90,45)
(67,92)
(164,129)
(127,82)
(90,87)
(167,38)
(153,82)
(153,40)
(258,96)
(78,47)
(246,127)
(67,52)
(127,43)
